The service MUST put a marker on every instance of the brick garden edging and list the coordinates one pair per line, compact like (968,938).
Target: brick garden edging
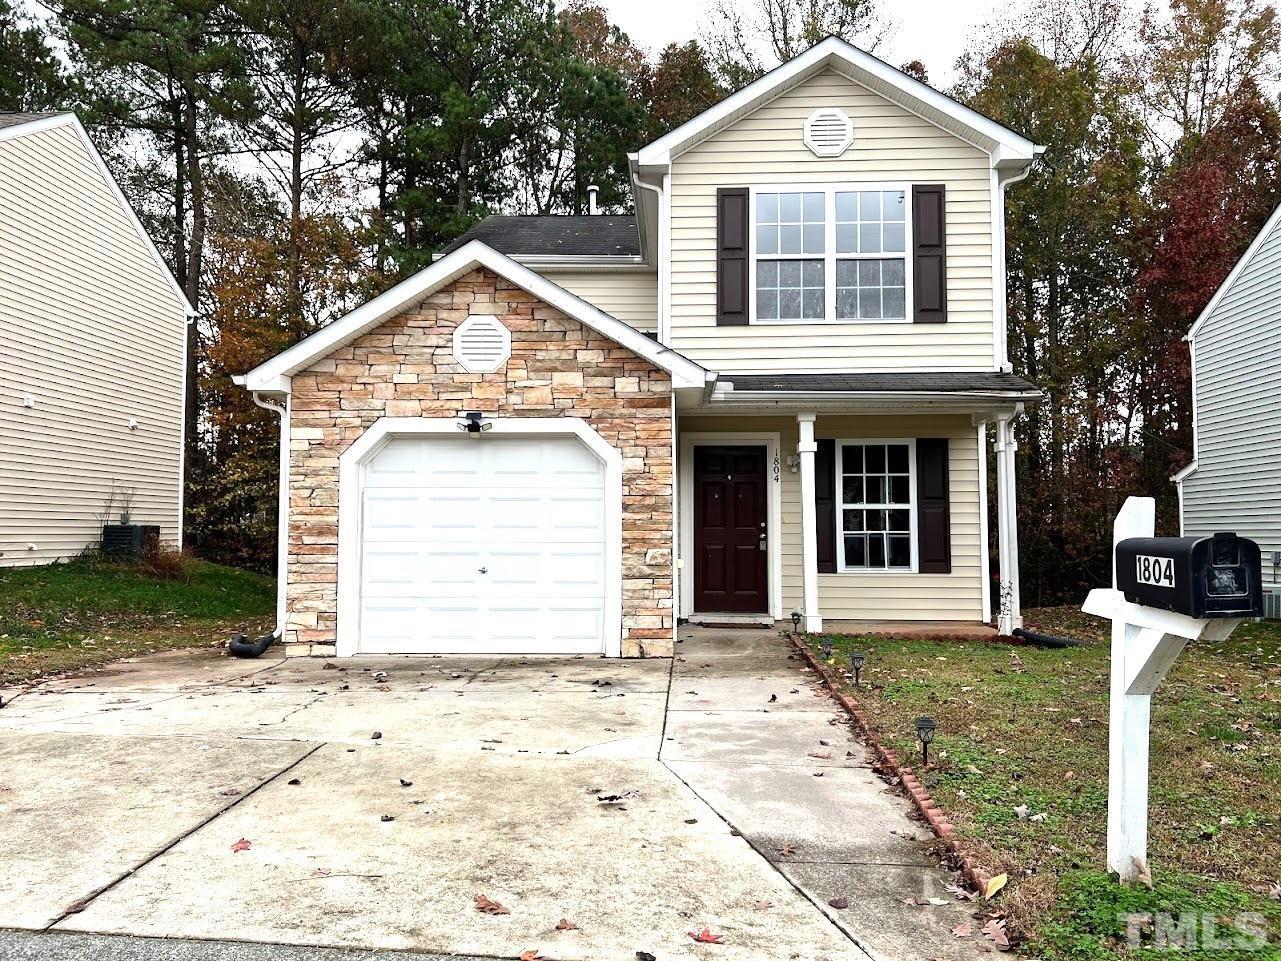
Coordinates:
(890,763)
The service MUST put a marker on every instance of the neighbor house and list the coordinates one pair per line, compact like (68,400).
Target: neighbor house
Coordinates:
(769,391)
(1234,480)
(93,335)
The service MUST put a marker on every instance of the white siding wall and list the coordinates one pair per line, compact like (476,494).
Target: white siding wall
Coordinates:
(957,596)
(91,330)
(891,145)
(629,295)
(1237,351)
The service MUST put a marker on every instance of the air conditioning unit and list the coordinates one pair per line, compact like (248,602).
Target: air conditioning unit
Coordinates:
(129,540)
(1272,604)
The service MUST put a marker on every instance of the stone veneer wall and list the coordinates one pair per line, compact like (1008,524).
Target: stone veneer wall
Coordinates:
(405,368)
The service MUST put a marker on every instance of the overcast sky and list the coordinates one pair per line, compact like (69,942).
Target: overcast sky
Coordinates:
(932,31)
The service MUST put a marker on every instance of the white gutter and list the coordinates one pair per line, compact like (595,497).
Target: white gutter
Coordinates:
(282,534)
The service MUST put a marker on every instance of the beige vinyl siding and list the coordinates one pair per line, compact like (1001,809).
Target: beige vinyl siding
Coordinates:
(92,331)
(1237,368)
(957,596)
(890,146)
(628,295)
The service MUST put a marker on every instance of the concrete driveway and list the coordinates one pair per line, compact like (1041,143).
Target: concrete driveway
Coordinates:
(610,807)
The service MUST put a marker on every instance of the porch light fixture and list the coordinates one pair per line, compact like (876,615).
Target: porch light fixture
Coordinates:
(796,621)
(794,462)
(925,727)
(856,662)
(474,423)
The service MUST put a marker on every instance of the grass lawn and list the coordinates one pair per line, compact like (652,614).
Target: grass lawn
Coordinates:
(62,617)
(1023,731)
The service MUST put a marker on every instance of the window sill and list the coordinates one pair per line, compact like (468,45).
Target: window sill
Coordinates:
(877,571)
(854,321)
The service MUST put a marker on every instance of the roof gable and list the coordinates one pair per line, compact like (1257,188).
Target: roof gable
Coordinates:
(1007,148)
(273,375)
(1273,224)
(14,125)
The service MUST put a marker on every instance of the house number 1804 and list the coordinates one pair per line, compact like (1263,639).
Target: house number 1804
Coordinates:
(1157,571)
(776,469)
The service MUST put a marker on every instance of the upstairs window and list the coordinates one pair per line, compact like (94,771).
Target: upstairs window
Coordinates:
(833,254)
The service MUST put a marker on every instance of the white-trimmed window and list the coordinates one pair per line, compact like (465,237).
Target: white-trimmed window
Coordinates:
(834,253)
(876,513)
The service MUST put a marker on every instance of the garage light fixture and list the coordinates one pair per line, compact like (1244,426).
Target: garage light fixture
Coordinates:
(474,423)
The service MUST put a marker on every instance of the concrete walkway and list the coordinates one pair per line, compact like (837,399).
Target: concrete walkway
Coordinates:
(380,796)
(753,732)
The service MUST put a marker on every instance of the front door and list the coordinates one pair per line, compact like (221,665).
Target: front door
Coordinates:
(729,530)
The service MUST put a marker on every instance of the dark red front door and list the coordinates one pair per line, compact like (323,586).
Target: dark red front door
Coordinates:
(729,530)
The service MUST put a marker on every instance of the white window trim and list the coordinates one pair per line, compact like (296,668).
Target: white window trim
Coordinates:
(840,504)
(830,190)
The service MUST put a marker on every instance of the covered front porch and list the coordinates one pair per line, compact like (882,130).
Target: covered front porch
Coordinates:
(856,499)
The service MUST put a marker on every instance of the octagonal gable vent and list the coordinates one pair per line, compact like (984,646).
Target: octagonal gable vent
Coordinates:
(829,132)
(482,344)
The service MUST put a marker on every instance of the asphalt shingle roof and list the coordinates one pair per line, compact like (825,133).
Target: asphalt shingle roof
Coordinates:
(946,382)
(14,119)
(604,235)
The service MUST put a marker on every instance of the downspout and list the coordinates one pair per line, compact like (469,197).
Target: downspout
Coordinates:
(1000,311)
(282,534)
(664,253)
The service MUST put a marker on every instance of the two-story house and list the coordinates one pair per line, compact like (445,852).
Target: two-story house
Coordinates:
(769,391)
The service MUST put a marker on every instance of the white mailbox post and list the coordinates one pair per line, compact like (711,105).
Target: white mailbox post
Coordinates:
(1145,643)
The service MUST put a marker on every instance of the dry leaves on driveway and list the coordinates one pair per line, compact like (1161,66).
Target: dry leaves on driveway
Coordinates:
(706,937)
(489,906)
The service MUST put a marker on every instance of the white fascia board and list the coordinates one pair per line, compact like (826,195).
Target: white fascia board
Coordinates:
(1005,146)
(785,398)
(71,120)
(472,255)
(1184,474)
(598,263)
(1246,257)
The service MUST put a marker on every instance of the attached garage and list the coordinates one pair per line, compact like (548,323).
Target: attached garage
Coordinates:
(476,462)
(499,543)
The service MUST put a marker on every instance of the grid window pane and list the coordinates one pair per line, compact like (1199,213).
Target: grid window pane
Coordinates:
(871,290)
(876,505)
(789,290)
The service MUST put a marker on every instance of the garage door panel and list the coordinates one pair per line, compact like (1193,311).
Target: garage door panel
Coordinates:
(527,511)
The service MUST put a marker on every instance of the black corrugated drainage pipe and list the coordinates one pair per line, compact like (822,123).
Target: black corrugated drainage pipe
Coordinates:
(238,646)
(1046,640)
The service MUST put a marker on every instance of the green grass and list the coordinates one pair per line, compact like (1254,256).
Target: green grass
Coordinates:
(1023,726)
(61,617)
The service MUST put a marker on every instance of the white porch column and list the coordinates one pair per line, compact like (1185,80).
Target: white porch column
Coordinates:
(809,525)
(1010,616)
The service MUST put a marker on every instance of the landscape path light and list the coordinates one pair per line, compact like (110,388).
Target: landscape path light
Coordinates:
(796,621)
(826,645)
(856,662)
(925,727)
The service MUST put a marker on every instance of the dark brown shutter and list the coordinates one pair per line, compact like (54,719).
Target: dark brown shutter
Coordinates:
(731,256)
(933,537)
(825,504)
(929,254)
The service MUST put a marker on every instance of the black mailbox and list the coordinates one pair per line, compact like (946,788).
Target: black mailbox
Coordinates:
(1219,576)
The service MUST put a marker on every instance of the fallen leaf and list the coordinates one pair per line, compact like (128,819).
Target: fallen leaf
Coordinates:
(530,955)
(1022,811)
(387,817)
(77,907)
(564,924)
(404,783)
(994,885)
(1039,817)
(376,735)
(820,756)
(787,850)
(323,871)
(963,930)
(763,905)
(645,956)
(244,844)
(489,906)
(994,931)
(839,903)
(706,937)
(294,782)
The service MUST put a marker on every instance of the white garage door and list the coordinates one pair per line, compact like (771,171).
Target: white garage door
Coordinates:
(483,545)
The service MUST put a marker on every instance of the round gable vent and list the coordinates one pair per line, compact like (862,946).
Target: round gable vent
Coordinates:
(829,132)
(482,344)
